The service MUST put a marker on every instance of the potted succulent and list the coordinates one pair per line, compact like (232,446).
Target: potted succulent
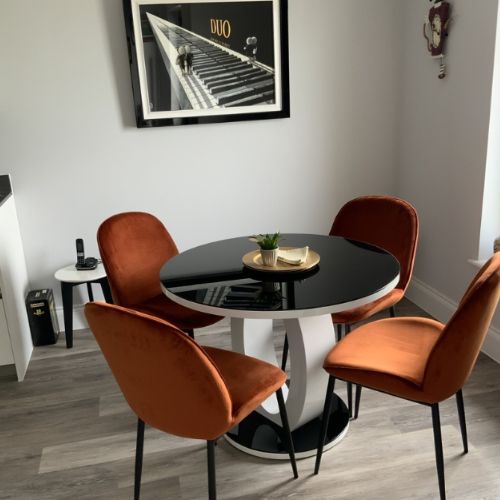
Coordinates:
(269,245)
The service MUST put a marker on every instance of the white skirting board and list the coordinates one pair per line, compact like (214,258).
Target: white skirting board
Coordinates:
(442,308)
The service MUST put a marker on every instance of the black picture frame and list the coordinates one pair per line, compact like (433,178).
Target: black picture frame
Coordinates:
(232,78)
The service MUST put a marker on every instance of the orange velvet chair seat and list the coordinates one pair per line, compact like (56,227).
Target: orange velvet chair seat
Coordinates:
(364,312)
(182,317)
(388,355)
(249,381)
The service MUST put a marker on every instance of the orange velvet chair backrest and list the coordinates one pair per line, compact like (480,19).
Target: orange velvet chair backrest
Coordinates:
(384,221)
(454,355)
(133,248)
(166,377)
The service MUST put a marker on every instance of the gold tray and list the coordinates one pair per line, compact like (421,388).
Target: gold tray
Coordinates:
(253,260)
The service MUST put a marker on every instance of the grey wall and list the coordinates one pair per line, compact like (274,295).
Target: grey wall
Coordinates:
(443,143)
(68,138)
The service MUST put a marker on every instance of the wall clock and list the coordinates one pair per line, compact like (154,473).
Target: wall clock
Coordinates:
(436,31)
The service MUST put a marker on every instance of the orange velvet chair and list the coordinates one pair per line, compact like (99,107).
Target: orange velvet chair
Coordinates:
(178,387)
(389,223)
(386,222)
(133,247)
(419,359)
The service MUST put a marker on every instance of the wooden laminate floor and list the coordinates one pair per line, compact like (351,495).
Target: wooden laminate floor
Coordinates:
(66,433)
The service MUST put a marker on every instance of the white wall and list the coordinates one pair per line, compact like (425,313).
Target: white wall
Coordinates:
(68,138)
(490,223)
(443,147)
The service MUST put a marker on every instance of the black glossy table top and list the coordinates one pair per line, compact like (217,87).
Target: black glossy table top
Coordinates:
(213,275)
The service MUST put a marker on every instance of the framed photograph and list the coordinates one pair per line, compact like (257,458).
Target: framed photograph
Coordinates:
(204,61)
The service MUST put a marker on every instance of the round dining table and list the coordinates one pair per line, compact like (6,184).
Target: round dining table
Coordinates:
(212,279)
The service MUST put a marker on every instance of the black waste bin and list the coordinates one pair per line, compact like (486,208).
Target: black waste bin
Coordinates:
(42,317)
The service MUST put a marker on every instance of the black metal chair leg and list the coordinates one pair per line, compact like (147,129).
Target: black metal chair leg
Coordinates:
(392,311)
(139,449)
(347,329)
(190,332)
(461,417)
(286,432)
(438,445)
(285,353)
(349,398)
(357,401)
(324,421)
(212,491)
(338,328)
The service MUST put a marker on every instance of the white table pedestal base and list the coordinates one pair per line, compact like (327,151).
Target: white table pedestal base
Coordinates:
(309,339)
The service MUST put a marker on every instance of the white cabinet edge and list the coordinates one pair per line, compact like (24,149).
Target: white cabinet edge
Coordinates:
(14,285)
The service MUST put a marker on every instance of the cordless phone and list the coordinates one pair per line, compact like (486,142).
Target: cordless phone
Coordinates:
(80,253)
(82,263)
